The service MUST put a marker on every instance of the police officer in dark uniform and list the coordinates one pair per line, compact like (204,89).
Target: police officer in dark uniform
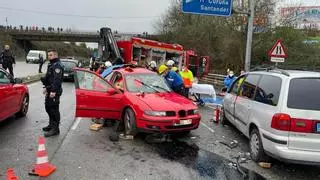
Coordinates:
(52,82)
(7,59)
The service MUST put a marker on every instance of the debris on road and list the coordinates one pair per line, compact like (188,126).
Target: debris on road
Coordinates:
(233,144)
(126,137)
(96,127)
(265,165)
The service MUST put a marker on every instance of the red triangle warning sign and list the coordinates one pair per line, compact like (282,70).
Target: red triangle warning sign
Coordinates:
(278,50)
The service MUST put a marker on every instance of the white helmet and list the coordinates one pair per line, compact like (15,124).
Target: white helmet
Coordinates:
(170,63)
(153,64)
(108,64)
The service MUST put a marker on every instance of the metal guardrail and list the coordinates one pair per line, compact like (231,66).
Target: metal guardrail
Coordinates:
(215,79)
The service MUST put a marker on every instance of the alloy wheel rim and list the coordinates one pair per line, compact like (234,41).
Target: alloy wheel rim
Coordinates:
(254,144)
(25,105)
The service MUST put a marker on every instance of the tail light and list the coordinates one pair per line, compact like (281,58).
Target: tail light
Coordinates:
(284,122)
(281,122)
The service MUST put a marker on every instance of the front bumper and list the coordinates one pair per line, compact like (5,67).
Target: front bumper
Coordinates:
(68,75)
(167,124)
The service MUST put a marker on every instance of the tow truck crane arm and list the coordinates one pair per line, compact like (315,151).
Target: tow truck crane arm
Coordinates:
(110,50)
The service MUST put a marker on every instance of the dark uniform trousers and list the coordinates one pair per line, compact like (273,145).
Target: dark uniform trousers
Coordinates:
(8,65)
(52,108)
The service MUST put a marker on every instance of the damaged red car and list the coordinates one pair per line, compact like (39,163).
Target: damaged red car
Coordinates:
(139,98)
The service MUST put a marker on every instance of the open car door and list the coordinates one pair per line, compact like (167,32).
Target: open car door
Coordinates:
(95,97)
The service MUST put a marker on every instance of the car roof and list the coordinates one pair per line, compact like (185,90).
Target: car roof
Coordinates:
(134,70)
(289,73)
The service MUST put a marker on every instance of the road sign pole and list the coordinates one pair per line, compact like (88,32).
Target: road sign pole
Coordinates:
(249,35)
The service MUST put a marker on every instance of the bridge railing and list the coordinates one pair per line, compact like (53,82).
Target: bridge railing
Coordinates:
(215,79)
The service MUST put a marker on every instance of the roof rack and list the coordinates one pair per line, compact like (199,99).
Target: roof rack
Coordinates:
(276,70)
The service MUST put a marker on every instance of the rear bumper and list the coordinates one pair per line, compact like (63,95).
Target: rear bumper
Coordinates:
(277,147)
(166,125)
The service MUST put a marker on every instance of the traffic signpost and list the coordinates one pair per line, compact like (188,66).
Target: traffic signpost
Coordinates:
(208,7)
(277,52)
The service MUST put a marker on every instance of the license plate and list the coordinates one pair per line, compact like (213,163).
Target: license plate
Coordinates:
(66,74)
(184,122)
(318,127)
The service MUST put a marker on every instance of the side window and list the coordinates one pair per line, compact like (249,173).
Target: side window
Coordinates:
(92,82)
(236,85)
(268,90)
(4,79)
(249,86)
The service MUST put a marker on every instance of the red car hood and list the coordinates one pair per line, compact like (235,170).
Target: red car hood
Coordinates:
(165,101)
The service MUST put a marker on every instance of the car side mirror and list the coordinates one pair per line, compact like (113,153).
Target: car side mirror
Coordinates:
(18,81)
(111,91)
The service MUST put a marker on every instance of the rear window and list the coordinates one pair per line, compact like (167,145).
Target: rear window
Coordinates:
(304,94)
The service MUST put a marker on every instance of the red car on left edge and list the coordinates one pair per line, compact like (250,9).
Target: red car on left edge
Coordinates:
(139,98)
(14,96)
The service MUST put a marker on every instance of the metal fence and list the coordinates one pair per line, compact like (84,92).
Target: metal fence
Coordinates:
(215,79)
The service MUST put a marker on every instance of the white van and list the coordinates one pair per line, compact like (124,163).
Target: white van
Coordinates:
(33,56)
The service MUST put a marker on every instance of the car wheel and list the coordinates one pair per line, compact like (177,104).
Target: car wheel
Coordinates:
(256,148)
(130,122)
(223,119)
(24,106)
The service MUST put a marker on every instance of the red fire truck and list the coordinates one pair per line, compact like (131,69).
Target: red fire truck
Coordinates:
(144,51)
(199,65)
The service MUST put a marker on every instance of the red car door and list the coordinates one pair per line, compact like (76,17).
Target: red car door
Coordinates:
(6,96)
(95,97)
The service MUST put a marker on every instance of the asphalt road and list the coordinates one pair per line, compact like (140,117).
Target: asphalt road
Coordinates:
(79,153)
(22,69)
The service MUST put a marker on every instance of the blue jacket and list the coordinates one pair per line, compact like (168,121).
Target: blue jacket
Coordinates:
(107,71)
(173,79)
(228,81)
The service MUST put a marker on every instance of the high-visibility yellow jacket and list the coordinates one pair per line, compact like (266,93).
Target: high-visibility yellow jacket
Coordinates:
(187,77)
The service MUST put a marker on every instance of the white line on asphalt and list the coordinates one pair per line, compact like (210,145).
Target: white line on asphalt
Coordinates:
(206,126)
(75,124)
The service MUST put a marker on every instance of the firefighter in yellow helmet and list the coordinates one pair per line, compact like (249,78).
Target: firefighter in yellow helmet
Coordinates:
(173,79)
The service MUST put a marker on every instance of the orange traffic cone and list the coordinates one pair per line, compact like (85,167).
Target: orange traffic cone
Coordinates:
(43,168)
(11,175)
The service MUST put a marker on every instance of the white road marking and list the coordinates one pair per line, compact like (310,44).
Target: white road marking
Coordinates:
(206,126)
(75,124)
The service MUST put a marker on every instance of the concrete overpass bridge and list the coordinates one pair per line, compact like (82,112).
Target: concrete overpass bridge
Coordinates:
(24,37)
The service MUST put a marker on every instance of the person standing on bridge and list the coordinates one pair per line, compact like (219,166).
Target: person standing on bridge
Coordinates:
(52,82)
(7,59)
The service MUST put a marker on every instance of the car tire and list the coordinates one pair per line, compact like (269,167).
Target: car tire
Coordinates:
(256,148)
(129,119)
(24,106)
(223,120)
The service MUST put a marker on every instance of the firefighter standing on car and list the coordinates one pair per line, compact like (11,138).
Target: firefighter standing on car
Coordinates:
(7,59)
(53,89)
(173,79)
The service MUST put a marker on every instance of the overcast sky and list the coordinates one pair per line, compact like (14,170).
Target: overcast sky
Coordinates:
(125,15)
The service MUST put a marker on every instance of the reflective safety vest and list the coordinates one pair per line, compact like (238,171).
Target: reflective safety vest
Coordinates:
(187,77)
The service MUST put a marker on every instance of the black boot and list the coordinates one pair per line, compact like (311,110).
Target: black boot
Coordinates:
(52,132)
(47,128)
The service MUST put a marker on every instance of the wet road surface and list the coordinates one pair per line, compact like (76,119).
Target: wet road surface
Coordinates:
(80,153)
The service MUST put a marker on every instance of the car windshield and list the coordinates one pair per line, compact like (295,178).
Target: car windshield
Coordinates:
(68,64)
(147,83)
(33,55)
(304,94)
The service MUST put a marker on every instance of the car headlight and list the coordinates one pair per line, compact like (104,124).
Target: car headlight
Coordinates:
(155,113)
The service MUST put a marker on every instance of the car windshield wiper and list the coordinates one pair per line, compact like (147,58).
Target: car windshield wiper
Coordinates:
(159,87)
(147,85)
